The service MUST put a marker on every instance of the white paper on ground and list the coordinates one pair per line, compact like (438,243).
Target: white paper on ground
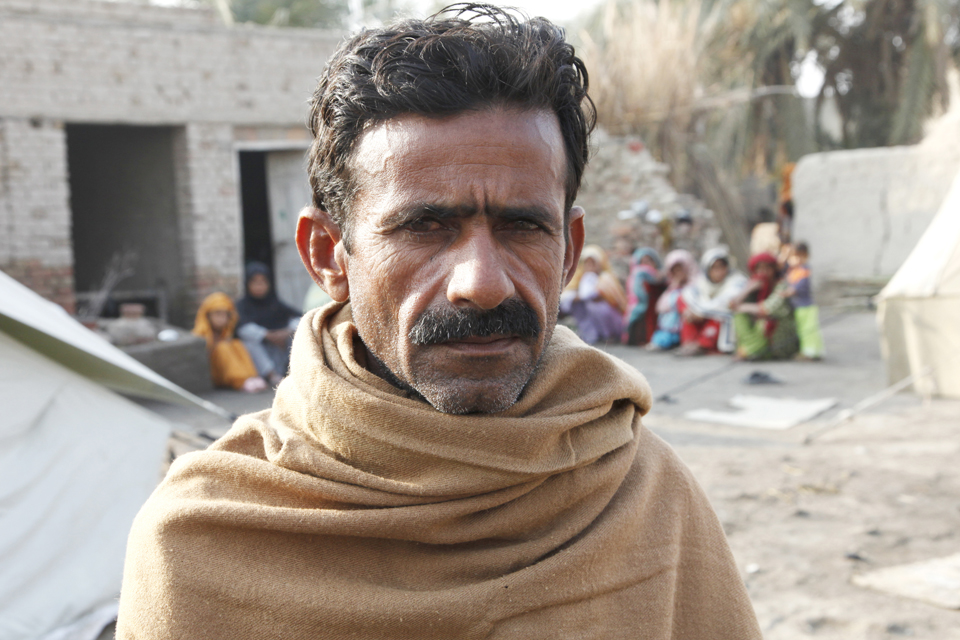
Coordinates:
(761,412)
(935,581)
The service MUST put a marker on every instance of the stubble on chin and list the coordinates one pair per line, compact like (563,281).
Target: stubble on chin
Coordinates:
(459,395)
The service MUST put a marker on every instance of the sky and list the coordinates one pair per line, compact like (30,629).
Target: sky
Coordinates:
(811,77)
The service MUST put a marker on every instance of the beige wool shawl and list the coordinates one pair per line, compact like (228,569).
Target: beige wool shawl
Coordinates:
(349,510)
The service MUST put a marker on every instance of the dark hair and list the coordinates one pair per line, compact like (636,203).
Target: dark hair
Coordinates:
(766,215)
(801,247)
(466,57)
(255,268)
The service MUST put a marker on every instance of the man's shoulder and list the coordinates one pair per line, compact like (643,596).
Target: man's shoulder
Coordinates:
(216,472)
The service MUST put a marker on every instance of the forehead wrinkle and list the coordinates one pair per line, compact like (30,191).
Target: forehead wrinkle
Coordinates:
(409,158)
(413,137)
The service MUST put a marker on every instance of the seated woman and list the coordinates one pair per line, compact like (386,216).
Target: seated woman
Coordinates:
(763,316)
(707,319)
(681,269)
(230,364)
(266,324)
(644,286)
(595,298)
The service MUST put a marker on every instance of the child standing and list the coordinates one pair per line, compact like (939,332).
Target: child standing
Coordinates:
(806,314)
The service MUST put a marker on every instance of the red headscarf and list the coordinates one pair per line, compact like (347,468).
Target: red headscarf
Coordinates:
(766,286)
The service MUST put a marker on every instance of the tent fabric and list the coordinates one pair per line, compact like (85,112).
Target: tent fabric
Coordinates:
(921,333)
(919,309)
(933,267)
(76,463)
(48,329)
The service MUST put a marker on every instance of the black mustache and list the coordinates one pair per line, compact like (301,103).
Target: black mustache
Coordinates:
(512,318)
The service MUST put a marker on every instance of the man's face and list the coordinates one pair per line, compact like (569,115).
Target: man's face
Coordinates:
(460,215)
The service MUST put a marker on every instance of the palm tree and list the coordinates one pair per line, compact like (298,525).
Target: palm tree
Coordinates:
(886,63)
(719,75)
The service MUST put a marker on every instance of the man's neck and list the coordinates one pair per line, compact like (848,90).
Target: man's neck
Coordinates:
(366,359)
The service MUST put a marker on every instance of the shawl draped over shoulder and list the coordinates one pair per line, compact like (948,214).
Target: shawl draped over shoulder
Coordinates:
(349,510)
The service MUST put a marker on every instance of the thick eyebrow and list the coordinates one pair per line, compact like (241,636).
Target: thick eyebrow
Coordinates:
(410,213)
(535,214)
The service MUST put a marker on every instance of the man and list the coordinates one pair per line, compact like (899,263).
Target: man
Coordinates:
(442,462)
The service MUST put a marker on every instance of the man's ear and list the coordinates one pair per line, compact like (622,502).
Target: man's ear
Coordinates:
(575,237)
(322,253)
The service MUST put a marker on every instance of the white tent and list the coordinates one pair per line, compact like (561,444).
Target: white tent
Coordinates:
(919,309)
(76,463)
(48,329)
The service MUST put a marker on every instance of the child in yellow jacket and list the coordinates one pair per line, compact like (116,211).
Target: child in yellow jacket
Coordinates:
(230,363)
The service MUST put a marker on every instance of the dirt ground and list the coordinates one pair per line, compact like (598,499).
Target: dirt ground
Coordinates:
(880,490)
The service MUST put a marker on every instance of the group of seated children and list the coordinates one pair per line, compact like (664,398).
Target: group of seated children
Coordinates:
(705,308)
(595,298)
(248,343)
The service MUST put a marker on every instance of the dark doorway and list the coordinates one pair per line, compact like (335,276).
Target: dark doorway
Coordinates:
(123,200)
(257,238)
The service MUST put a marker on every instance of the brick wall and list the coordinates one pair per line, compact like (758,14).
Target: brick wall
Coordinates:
(35,243)
(85,61)
(210,221)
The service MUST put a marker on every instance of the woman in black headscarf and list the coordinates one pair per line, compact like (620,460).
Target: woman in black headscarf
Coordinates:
(266,324)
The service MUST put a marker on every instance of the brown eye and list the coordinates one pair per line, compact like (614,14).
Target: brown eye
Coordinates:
(524,225)
(424,225)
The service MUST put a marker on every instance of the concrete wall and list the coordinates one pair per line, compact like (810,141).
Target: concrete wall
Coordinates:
(863,211)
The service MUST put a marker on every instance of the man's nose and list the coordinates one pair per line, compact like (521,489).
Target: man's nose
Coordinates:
(479,276)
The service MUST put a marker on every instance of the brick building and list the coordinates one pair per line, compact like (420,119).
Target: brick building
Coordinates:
(154,131)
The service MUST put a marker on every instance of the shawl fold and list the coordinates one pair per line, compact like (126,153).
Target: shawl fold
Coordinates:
(350,510)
